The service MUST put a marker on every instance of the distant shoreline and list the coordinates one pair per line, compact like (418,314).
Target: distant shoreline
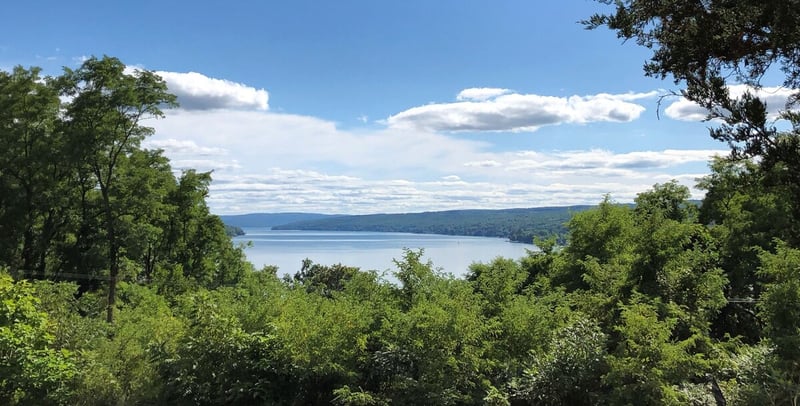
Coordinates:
(521,225)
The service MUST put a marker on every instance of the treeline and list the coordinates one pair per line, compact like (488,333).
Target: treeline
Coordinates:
(519,225)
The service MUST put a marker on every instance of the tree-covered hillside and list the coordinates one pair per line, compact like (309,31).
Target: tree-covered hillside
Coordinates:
(520,225)
(269,219)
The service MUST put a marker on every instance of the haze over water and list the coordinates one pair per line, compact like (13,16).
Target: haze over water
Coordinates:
(371,250)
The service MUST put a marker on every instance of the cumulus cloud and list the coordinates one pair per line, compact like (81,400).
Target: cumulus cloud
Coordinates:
(775,98)
(196,91)
(496,110)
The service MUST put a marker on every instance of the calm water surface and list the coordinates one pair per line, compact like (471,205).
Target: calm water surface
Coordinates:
(370,250)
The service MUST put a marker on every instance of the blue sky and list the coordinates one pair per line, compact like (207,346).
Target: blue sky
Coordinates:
(386,106)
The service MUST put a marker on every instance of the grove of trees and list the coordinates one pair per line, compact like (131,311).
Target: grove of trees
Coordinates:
(118,287)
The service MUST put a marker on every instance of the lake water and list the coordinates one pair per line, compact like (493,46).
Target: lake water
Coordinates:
(370,250)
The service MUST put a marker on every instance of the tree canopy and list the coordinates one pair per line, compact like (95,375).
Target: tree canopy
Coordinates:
(709,45)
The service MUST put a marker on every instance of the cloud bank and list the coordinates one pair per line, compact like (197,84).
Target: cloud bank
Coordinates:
(277,189)
(265,161)
(491,109)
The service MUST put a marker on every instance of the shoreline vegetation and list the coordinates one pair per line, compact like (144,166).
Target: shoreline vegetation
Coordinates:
(233,231)
(119,287)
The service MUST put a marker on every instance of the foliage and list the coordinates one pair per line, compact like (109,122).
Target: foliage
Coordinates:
(623,314)
(568,371)
(709,44)
(32,370)
(123,369)
(695,41)
(324,279)
(217,362)
(347,397)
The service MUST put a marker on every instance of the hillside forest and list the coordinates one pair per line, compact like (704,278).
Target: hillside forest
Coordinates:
(119,287)
(518,225)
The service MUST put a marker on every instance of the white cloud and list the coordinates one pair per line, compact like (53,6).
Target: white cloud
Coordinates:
(310,191)
(284,140)
(483,164)
(685,110)
(205,165)
(289,162)
(518,112)
(196,91)
(266,161)
(481,93)
(596,160)
(180,147)
(774,97)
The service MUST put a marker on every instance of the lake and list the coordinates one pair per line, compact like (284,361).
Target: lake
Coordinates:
(370,250)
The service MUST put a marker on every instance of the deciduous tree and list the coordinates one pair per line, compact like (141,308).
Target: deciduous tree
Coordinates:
(105,120)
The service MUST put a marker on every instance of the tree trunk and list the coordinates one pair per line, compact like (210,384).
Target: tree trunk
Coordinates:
(112,276)
(113,258)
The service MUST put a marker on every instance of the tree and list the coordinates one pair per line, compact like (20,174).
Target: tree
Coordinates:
(414,276)
(702,43)
(104,122)
(780,310)
(497,282)
(145,183)
(705,45)
(675,258)
(648,365)
(569,371)
(322,278)
(195,249)
(743,216)
(33,177)
(604,235)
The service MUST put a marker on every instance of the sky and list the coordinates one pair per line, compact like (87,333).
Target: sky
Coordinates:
(364,106)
